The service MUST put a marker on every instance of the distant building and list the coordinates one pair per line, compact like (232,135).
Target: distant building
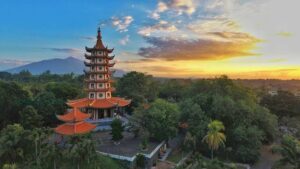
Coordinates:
(297,94)
(273,92)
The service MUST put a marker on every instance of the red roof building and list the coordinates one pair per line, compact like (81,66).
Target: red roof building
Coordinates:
(74,123)
(99,103)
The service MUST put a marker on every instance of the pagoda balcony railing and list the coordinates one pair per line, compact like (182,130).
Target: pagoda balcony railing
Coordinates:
(99,64)
(110,89)
(98,80)
(99,71)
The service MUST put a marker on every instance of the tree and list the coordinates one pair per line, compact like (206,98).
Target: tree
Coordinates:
(29,118)
(283,104)
(290,153)
(214,137)
(140,161)
(116,130)
(63,90)
(12,144)
(195,118)
(189,142)
(159,118)
(47,105)
(80,150)
(138,87)
(13,99)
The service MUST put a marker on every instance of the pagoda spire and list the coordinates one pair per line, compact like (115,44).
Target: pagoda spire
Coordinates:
(99,43)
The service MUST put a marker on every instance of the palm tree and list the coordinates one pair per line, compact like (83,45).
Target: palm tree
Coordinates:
(215,137)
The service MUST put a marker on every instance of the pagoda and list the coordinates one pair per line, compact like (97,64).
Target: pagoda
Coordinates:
(74,123)
(99,103)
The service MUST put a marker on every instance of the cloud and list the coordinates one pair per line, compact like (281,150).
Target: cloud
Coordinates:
(161,27)
(89,38)
(213,25)
(70,51)
(200,49)
(8,63)
(284,34)
(161,7)
(178,6)
(122,24)
(124,40)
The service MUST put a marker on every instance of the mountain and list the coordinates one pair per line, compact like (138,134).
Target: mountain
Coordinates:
(57,66)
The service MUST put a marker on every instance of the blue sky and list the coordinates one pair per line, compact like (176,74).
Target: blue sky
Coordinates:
(177,38)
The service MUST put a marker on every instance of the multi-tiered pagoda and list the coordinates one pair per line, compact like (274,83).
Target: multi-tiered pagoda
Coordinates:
(100,106)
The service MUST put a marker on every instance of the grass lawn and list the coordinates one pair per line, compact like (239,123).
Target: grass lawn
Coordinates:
(176,155)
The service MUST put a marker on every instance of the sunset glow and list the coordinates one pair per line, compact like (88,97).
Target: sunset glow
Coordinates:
(167,38)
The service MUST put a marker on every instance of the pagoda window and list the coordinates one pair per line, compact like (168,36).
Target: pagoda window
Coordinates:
(100,95)
(108,94)
(92,85)
(100,85)
(100,67)
(92,76)
(99,60)
(92,95)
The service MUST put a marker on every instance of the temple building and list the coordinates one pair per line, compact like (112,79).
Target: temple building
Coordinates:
(99,105)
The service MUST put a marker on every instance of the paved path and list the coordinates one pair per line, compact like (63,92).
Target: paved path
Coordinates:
(164,165)
(267,159)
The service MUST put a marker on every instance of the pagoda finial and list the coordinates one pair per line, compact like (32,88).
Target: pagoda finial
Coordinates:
(99,33)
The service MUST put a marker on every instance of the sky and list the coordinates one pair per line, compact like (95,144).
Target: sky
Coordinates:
(249,39)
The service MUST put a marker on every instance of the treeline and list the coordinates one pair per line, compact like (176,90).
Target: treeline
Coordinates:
(161,108)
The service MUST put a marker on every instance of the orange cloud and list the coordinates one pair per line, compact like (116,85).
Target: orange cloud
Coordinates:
(240,45)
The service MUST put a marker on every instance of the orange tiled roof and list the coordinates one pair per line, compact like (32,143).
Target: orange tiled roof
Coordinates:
(73,116)
(77,128)
(99,103)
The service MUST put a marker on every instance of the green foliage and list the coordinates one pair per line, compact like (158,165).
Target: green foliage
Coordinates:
(290,153)
(10,166)
(159,118)
(140,161)
(47,105)
(212,164)
(116,130)
(197,120)
(30,119)
(13,99)
(247,123)
(283,104)
(173,90)
(12,144)
(214,137)
(63,90)
(138,87)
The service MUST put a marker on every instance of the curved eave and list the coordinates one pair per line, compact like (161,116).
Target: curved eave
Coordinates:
(99,49)
(99,103)
(74,129)
(73,117)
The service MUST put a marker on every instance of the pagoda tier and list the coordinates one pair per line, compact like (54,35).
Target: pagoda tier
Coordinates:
(99,103)
(75,123)
(75,128)
(74,116)
(88,72)
(87,56)
(99,49)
